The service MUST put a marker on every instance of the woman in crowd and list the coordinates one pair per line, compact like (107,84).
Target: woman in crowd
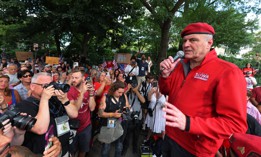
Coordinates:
(115,75)
(8,97)
(63,78)
(121,77)
(155,120)
(111,108)
(25,77)
(249,69)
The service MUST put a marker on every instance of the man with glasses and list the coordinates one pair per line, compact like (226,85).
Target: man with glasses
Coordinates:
(51,108)
(25,76)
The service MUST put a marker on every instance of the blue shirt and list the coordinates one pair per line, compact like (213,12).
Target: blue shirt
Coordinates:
(143,67)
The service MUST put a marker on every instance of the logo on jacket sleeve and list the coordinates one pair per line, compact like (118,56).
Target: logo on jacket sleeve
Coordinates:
(201,76)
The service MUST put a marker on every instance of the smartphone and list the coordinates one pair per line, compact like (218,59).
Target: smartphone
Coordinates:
(48,135)
(154,84)
(88,79)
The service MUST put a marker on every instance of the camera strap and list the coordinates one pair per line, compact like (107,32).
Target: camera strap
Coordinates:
(133,101)
(131,71)
(145,88)
(157,101)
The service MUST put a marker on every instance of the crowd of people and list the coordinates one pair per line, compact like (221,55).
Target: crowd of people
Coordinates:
(192,106)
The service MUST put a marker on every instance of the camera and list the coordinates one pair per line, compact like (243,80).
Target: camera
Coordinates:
(131,80)
(20,121)
(155,84)
(63,87)
(126,115)
(134,83)
(135,116)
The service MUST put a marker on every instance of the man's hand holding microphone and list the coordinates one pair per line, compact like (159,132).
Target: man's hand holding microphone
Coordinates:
(168,65)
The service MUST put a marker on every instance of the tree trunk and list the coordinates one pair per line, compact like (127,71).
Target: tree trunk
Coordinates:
(165,28)
(85,40)
(163,48)
(57,43)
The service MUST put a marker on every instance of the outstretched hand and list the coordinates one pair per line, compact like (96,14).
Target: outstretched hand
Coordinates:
(174,117)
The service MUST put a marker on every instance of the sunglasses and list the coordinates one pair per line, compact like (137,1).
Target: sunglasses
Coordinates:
(25,76)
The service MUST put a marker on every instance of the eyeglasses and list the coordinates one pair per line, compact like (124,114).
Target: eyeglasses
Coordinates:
(25,76)
(42,85)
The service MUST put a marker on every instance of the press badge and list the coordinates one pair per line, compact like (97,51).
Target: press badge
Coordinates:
(62,125)
(111,123)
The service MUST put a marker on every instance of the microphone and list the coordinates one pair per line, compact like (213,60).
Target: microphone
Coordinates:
(180,54)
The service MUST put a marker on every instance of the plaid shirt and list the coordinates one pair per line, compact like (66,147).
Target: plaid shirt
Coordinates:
(23,92)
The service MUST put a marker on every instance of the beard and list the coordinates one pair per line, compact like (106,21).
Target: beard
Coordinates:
(76,84)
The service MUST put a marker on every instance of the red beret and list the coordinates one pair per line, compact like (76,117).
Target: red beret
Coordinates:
(198,28)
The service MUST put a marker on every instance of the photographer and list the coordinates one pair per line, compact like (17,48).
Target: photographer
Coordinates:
(145,89)
(135,99)
(51,107)
(82,93)
(131,71)
(155,120)
(112,108)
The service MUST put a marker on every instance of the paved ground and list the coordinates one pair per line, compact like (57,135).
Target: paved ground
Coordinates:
(96,149)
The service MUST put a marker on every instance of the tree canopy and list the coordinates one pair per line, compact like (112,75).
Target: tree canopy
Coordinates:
(97,28)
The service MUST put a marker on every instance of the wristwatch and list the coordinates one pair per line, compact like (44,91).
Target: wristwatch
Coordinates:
(66,103)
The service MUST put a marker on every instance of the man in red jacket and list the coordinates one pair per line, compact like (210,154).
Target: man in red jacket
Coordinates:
(207,97)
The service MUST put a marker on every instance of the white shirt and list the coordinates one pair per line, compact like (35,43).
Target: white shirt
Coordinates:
(135,71)
(251,81)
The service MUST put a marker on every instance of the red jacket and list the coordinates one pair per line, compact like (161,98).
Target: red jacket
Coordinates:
(214,96)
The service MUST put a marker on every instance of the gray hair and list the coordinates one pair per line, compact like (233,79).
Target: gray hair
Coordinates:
(209,37)
(11,64)
(35,77)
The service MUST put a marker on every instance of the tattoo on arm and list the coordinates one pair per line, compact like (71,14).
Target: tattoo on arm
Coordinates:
(100,112)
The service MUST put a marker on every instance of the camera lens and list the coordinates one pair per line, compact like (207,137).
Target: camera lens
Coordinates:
(24,122)
(65,87)
(20,121)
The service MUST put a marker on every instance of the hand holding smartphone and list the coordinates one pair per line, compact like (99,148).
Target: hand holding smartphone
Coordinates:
(155,84)
(48,135)
(88,80)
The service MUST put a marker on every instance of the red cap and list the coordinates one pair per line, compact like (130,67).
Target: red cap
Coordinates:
(198,28)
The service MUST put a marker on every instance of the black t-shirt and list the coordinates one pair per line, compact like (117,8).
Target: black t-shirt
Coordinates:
(36,143)
(113,107)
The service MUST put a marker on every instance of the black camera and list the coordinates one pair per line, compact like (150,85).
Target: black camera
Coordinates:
(134,83)
(135,116)
(20,121)
(155,84)
(63,87)
(126,115)
(132,80)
